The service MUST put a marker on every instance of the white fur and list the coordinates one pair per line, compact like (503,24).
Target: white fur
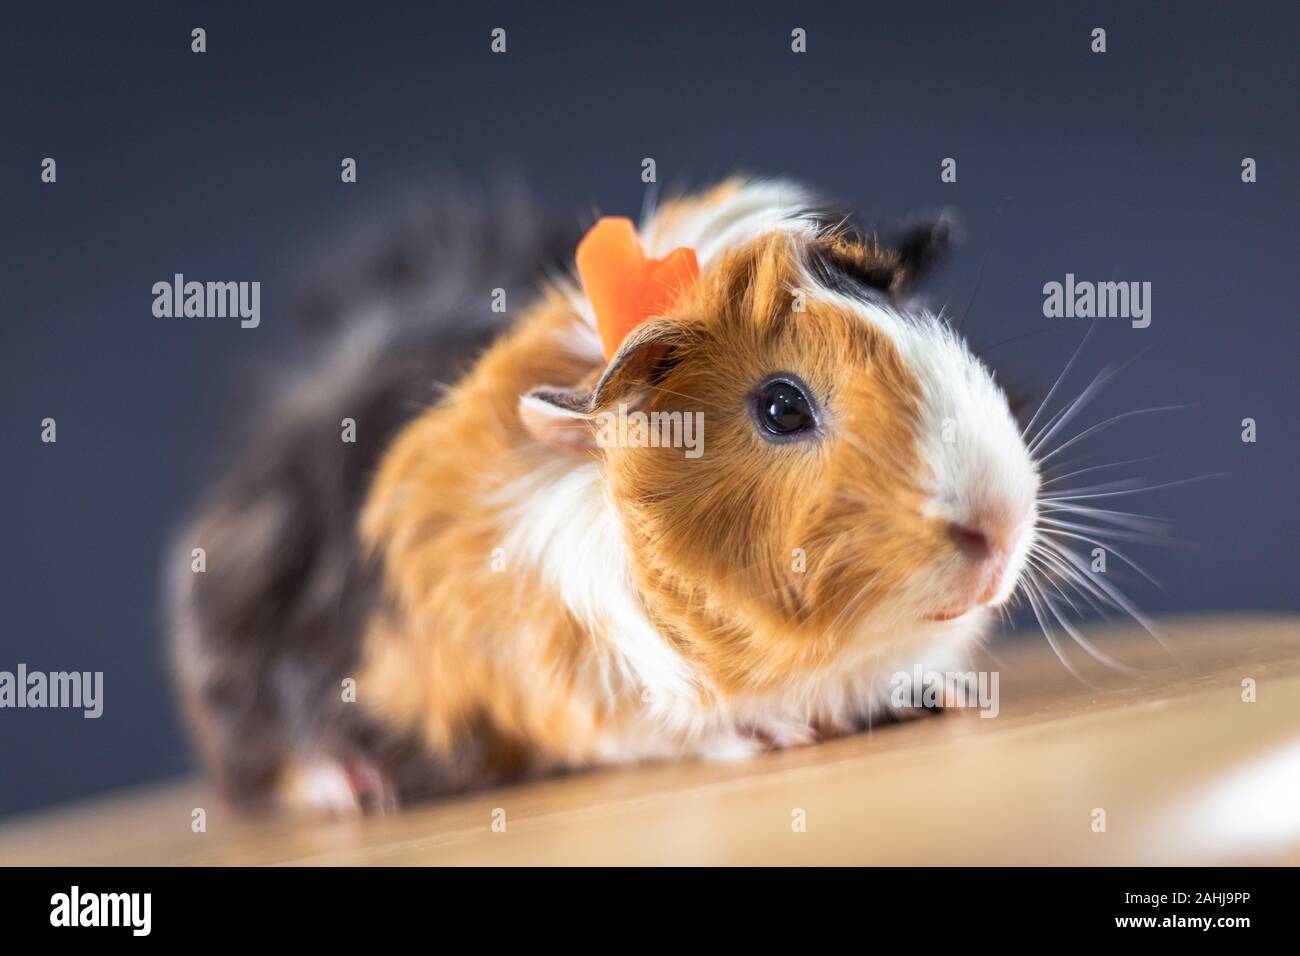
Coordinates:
(757,207)
(564,524)
(985,467)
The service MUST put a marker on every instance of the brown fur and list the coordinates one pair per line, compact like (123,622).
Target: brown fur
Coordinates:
(467,643)
(715,565)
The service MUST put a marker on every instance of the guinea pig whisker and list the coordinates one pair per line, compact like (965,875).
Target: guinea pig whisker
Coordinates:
(1111,421)
(1083,471)
(1136,531)
(1134,491)
(1060,378)
(1091,391)
(1125,519)
(1058,468)
(1065,494)
(1113,593)
(1078,638)
(1053,567)
(1055,581)
(1082,585)
(979,282)
(1106,536)
(1088,646)
(1062,510)
(1060,413)
(1111,534)
(1007,341)
(1050,571)
(1087,395)
(1031,589)
(1118,553)
(1045,572)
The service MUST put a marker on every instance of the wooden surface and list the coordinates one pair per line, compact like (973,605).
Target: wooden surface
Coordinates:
(1185,770)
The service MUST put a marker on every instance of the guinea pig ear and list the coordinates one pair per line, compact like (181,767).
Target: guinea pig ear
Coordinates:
(920,246)
(565,417)
(856,263)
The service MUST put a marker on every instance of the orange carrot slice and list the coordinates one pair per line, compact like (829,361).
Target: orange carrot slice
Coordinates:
(624,287)
(666,279)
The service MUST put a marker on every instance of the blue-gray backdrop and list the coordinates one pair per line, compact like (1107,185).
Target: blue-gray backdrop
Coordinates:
(1125,164)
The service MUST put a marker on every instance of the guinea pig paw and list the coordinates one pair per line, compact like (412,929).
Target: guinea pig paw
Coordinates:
(828,728)
(372,790)
(780,735)
(338,789)
(729,747)
(322,788)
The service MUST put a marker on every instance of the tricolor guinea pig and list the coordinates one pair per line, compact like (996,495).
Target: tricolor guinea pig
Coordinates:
(659,517)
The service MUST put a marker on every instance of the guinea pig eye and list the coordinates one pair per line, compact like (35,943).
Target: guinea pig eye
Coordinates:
(782,409)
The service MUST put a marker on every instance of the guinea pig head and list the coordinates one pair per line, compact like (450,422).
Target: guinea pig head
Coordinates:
(802,468)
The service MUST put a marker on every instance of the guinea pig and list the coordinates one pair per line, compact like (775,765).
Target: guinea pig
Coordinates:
(498,581)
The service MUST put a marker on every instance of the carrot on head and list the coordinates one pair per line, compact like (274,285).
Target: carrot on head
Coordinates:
(624,286)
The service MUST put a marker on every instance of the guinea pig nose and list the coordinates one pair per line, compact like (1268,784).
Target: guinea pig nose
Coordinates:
(972,542)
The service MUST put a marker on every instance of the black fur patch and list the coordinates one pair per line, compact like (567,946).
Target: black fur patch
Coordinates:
(262,640)
(859,264)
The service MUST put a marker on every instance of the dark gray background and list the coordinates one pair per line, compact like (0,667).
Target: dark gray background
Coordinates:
(226,165)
